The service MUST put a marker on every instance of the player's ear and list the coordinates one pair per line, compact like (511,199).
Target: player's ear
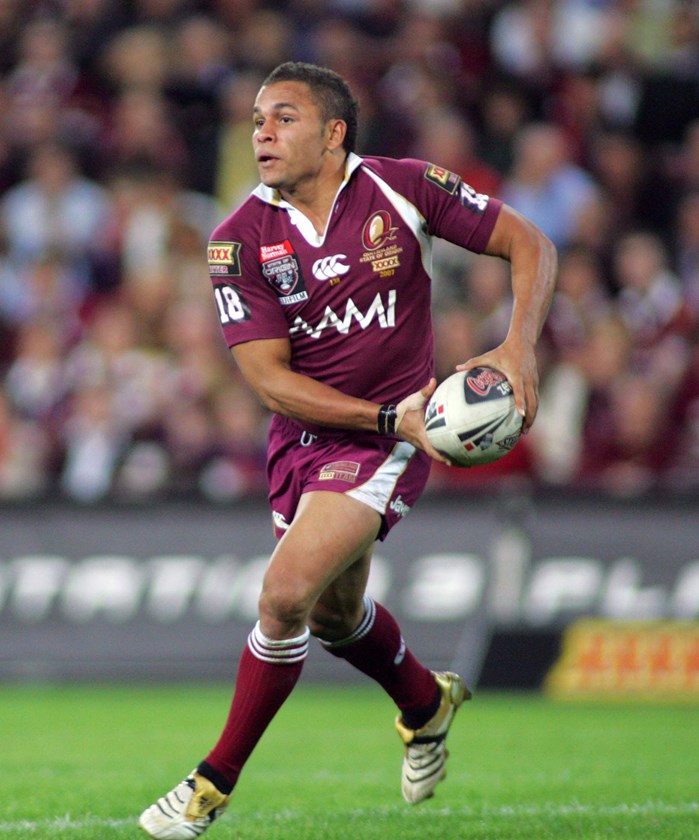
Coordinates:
(335,133)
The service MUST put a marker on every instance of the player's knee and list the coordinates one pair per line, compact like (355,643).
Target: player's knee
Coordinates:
(331,625)
(284,605)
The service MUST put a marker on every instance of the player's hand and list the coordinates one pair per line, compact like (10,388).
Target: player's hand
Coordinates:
(410,421)
(518,363)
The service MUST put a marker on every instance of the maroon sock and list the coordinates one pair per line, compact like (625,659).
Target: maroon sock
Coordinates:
(267,673)
(376,648)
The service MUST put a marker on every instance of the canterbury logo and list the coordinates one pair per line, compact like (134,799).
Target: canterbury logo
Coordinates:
(327,267)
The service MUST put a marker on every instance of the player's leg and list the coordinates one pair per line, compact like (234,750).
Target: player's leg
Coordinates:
(373,643)
(330,532)
(427,701)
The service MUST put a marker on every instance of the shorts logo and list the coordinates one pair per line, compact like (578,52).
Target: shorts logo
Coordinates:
(224,258)
(340,471)
(378,230)
(328,267)
(399,507)
(442,178)
(279,520)
(280,266)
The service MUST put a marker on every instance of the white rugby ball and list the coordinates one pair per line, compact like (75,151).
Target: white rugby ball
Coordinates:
(472,418)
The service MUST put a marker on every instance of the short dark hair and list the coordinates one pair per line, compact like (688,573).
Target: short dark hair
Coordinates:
(331,92)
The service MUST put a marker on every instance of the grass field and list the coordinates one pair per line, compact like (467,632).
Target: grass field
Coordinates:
(82,762)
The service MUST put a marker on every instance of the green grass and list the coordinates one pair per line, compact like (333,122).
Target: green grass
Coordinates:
(82,762)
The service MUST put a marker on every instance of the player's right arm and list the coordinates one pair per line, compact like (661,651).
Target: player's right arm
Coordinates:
(266,366)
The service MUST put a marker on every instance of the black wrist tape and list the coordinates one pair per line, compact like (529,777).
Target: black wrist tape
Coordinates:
(386,423)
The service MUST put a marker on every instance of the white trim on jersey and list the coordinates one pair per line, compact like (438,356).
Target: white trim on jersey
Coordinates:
(410,215)
(298,219)
(376,492)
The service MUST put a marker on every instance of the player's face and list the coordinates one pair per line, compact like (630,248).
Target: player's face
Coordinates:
(289,138)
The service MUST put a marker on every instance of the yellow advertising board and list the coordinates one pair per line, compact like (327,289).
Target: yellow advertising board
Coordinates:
(654,660)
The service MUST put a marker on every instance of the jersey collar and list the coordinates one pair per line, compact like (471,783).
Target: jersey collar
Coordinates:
(273,197)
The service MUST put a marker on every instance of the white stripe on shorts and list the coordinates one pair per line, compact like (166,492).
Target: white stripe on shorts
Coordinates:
(377,491)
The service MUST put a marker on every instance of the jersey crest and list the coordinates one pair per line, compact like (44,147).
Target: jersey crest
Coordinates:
(280,266)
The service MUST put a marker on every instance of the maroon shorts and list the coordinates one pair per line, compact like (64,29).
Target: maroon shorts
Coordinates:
(384,473)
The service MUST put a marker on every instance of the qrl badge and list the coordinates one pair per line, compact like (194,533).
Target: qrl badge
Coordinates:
(280,266)
(283,274)
(378,230)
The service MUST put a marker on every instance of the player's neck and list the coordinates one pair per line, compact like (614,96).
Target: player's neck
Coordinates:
(315,198)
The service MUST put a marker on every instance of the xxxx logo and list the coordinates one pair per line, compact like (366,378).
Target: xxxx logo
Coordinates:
(328,267)
(223,252)
(223,258)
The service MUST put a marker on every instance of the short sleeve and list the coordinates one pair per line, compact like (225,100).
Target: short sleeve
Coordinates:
(247,307)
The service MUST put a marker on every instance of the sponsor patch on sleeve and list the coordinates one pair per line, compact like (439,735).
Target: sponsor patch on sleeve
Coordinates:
(442,178)
(224,258)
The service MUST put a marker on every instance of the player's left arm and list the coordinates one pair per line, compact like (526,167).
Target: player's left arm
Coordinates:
(533,260)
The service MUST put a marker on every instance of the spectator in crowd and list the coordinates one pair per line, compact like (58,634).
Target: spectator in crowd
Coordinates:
(503,111)
(628,452)
(142,132)
(25,452)
(94,439)
(447,136)
(682,471)
(56,209)
(652,306)
(235,174)
(686,244)
(582,297)
(545,185)
(35,383)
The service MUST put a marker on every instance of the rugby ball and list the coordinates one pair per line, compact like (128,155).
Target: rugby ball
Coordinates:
(472,418)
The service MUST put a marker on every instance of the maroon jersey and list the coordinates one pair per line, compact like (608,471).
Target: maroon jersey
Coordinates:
(354,302)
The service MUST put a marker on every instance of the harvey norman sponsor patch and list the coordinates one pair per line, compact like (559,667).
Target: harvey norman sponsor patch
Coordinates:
(340,471)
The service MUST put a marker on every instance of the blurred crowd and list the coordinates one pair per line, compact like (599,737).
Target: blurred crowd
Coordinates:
(125,138)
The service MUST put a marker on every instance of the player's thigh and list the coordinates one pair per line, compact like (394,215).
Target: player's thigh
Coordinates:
(331,532)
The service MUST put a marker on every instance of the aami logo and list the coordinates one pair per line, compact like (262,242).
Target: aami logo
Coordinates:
(378,230)
(328,267)
(384,313)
